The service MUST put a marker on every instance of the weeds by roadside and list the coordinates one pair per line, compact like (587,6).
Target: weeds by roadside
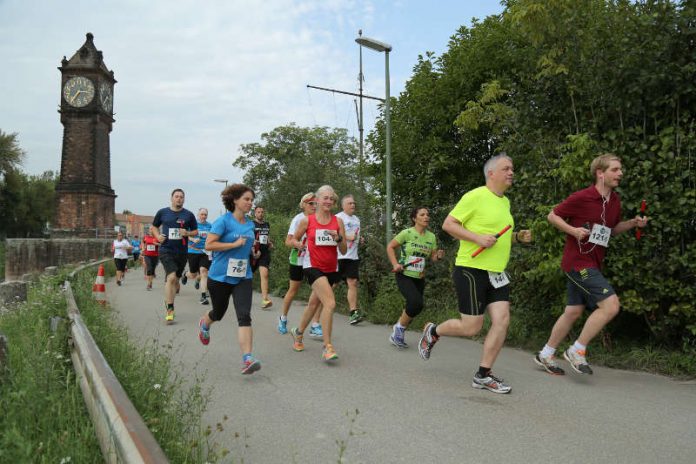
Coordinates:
(42,414)
(171,408)
(43,417)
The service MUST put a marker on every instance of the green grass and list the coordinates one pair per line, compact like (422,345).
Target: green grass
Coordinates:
(170,406)
(43,417)
(42,414)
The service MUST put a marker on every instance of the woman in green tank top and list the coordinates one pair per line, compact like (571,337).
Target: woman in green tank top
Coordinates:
(415,245)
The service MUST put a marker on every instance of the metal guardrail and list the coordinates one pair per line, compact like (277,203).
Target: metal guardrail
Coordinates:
(122,433)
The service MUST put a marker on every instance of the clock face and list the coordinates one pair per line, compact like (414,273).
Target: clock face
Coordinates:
(78,91)
(106,97)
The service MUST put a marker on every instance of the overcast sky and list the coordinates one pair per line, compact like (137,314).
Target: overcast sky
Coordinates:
(198,78)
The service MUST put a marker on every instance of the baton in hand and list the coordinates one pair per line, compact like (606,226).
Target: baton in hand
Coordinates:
(643,207)
(498,235)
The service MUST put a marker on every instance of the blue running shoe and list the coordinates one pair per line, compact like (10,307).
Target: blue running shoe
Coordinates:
(316,332)
(282,326)
(397,337)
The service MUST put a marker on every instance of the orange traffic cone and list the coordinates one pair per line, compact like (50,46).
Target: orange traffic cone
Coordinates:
(99,288)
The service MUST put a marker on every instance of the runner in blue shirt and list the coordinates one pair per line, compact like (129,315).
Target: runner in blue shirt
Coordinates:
(171,227)
(135,243)
(231,239)
(198,258)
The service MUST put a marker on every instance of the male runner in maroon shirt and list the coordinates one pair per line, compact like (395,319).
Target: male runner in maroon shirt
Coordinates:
(589,218)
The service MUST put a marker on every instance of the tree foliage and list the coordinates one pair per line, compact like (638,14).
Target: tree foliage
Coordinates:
(26,201)
(552,83)
(291,161)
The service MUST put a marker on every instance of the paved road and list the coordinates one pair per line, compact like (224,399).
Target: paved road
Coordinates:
(296,408)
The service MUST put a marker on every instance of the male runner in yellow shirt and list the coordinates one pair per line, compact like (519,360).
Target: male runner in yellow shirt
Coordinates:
(480,280)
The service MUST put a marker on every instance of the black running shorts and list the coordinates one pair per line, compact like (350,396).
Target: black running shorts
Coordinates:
(196,261)
(296,273)
(121,264)
(587,287)
(349,268)
(312,274)
(475,290)
(173,262)
(151,264)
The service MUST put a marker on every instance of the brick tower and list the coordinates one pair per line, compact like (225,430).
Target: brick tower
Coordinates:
(84,197)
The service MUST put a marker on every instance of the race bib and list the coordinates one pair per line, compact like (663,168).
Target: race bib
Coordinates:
(324,238)
(498,279)
(263,239)
(237,267)
(415,264)
(150,247)
(174,234)
(600,235)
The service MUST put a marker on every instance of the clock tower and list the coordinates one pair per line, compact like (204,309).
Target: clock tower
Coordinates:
(84,197)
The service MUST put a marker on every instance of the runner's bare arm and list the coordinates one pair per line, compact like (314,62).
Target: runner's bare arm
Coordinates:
(213,243)
(623,226)
(391,254)
(301,229)
(342,245)
(559,223)
(455,229)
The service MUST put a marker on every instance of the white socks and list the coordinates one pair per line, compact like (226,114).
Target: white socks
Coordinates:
(547,352)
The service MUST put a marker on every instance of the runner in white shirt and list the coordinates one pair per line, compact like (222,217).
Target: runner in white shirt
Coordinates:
(349,263)
(309,206)
(120,248)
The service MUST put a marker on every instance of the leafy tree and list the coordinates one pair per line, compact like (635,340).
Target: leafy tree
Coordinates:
(11,155)
(291,161)
(553,83)
(26,201)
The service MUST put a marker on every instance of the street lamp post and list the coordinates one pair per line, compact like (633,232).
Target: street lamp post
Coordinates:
(386,48)
(222,181)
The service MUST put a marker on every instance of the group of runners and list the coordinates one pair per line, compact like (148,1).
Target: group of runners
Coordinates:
(223,256)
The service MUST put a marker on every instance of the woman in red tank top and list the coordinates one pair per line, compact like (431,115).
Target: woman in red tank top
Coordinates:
(325,234)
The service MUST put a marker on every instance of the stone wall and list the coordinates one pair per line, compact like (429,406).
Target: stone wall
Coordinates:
(25,255)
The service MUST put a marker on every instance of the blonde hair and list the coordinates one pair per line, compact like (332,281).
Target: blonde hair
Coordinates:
(601,163)
(305,198)
(328,189)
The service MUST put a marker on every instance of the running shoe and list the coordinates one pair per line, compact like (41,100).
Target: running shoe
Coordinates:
(204,299)
(426,342)
(184,279)
(282,326)
(397,337)
(250,366)
(197,285)
(203,332)
(329,354)
(170,316)
(549,364)
(490,383)
(118,282)
(355,317)
(297,343)
(266,304)
(577,361)
(316,332)
(148,288)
